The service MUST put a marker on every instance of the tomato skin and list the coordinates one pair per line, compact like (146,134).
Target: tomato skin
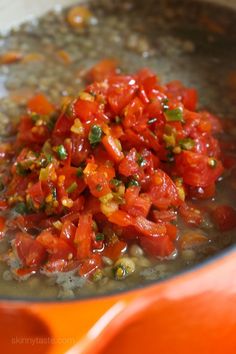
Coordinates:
(29,250)
(195,170)
(224,217)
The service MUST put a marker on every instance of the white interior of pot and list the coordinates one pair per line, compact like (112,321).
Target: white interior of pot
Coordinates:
(16,11)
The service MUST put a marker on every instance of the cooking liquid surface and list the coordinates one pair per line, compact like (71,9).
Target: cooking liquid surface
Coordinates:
(198,48)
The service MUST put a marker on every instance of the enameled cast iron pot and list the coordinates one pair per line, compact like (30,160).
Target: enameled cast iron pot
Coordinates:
(192,312)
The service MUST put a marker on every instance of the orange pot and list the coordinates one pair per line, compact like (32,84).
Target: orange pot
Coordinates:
(193,312)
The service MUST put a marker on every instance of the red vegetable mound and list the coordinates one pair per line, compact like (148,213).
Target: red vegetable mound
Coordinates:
(112,166)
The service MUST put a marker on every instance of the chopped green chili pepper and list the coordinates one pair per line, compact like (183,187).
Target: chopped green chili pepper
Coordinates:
(72,187)
(141,160)
(62,153)
(95,135)
(80,172)
(21,208)
(174,115)
(116,182)
(20,170)
(186,144)
(100,237)
(133,183)
(99,187)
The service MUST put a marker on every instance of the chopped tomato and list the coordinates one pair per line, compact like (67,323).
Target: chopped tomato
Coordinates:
(158,246)
(224,217)
(29,250)
(196,169)
(90,265)
(163,192)
(83,236)
(58,247)
(102,70)
(40,105)
(115,250)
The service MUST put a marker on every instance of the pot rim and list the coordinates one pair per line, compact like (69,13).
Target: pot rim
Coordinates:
(152,283)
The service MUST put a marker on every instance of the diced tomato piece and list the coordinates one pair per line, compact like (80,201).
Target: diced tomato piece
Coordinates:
(115,250)
(102,70)
(98,184)
(163,192)
(135,204)
(62,126)
(191,215)
(121,91)
(161,246)
(121,218)
(28,136)
(164,215)
(29,250)
(36,194)
(68,231)
(2,226)
(133,114)
(113,147)
(129,165)
(149,228)
(83,236)
(190,98)
(88,266)
(202,193)
(195,169)
(224,217)
(58,247)
(40,105)
(86,110)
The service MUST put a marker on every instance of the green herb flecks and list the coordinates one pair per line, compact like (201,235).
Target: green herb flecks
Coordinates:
(61,152)
(174,115)
(95,135)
